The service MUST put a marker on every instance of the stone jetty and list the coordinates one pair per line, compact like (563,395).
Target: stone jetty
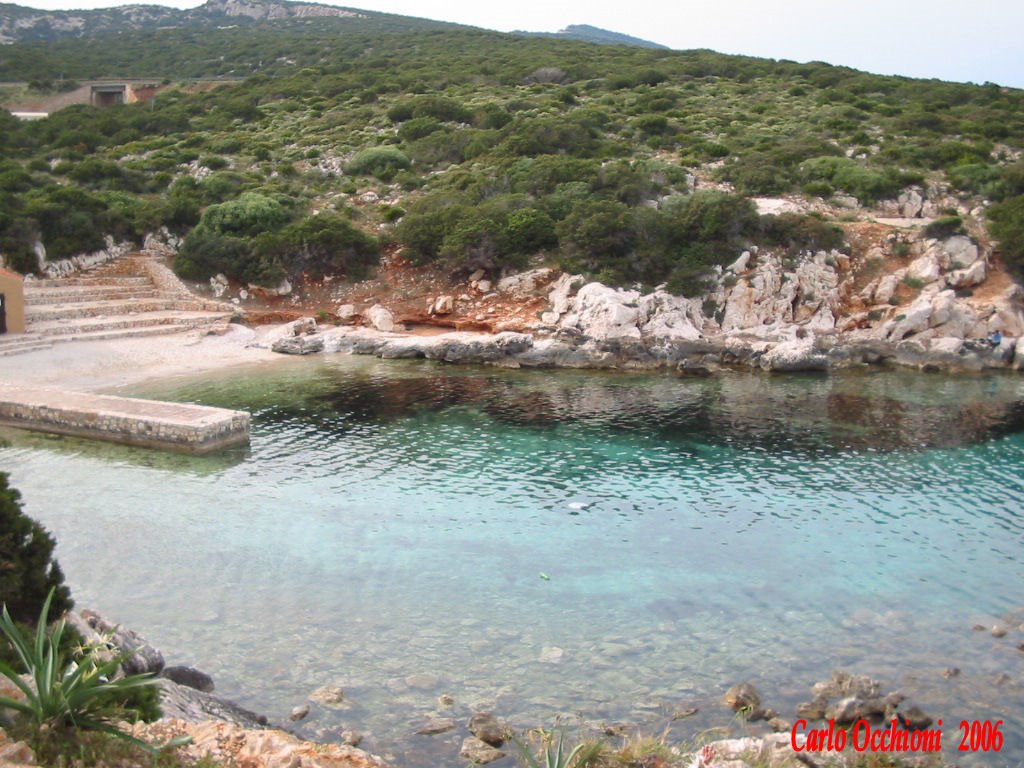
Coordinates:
(148,423)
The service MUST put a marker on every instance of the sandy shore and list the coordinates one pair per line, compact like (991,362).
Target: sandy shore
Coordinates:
(107,365)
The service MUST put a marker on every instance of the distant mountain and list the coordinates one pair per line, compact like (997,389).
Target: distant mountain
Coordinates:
(19,24)
(591,34)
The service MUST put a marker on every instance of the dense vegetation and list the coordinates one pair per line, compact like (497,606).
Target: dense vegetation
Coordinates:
(27,569)
(477,149)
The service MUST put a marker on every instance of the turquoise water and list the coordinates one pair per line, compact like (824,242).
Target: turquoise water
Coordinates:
(600,548)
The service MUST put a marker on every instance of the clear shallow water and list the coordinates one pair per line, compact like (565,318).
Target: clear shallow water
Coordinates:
(388,528)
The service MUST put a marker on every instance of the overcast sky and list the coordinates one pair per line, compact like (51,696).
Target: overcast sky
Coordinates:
(966,41)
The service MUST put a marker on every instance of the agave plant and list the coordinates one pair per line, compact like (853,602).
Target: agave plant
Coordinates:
(78,693)
(581,756)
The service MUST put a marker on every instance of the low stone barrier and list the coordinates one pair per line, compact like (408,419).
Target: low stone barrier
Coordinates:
(148,423)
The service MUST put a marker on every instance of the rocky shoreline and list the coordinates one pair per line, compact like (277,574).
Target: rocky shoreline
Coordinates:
(228,734)
(943,306)
(687,357)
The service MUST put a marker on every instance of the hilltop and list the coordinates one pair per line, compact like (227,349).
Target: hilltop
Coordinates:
(20,24)
(591,34)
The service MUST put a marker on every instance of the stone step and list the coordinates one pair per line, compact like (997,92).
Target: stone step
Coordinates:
(36,313)
(87,280)
(78,326)
(77,293)
(22,342)
(130,333)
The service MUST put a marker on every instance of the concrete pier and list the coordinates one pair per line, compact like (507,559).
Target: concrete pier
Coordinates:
(149,423)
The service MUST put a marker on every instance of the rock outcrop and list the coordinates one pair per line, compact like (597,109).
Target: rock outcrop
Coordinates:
(229,744)
(767,310)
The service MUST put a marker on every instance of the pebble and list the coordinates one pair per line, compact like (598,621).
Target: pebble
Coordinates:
(423,681)
(551,654)
(682,714)
(998,631)
(951,672)
(299,713)
(445,701)
(328,695)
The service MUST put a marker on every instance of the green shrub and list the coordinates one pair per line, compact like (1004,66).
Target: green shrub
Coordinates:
(439,107)
(944,227)
(69,220)
(598,235)
(529,230)
(551,136)
(1006,220)
(423,230)
(247,216)
(382,162)
(797,231)
(206,253)
(318,245)
(28,571)
(867,184)
(419,127)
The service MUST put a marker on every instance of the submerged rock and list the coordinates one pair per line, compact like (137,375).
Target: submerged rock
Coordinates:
(190,677)
(742,697)
(478,752)
(915,719)
(489,729)
(436,726)
(328,695)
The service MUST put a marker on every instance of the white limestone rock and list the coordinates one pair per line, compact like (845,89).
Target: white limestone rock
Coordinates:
(914,320)
(946,345)
(562,291)
(525,284)
(971,276)
(797,355)
(958,252)
(664,316)
(925,268)
(886,289)
(443,305)
(910,203)
(380,318)
(740,264)
(607,313)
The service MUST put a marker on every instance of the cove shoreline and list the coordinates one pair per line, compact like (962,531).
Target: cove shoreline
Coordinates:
(205,360)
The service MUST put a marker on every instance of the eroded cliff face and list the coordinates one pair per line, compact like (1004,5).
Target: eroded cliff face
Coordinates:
(892,295)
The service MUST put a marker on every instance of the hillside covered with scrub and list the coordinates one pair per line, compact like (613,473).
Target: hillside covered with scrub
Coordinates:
(339,137)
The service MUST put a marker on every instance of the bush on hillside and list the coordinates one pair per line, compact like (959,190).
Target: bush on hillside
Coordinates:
(382,162)
(944,227)
(317,246)
(1006,220)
